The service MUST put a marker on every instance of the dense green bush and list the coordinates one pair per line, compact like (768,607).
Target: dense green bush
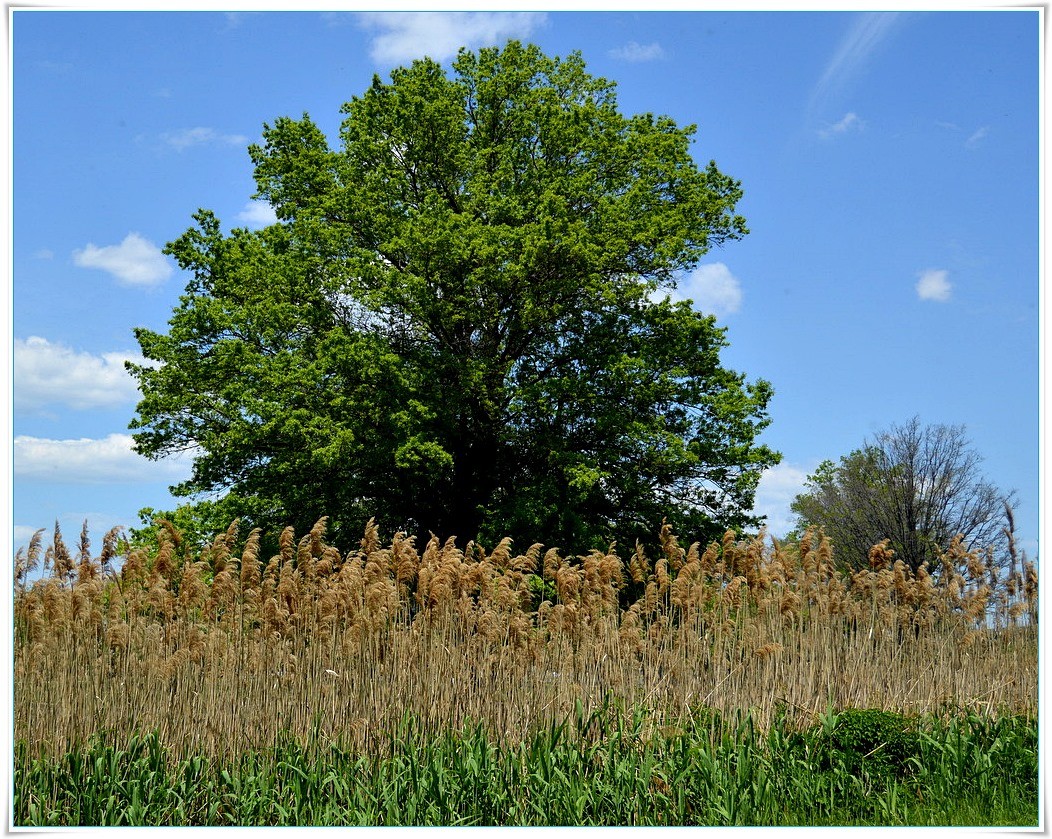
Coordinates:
(883,745)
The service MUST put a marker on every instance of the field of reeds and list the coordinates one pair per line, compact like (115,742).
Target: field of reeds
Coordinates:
(216,658)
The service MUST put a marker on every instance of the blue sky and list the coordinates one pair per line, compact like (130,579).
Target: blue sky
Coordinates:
(889,163)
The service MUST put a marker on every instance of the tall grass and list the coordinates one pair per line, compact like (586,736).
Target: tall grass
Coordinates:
(223,652)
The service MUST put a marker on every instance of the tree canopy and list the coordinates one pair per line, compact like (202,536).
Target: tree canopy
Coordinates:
(454,325)
(917,486)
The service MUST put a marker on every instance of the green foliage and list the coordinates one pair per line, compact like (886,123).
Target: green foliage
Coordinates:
(608,767)
(197,524)
(881,744)
(540,590)
(451,324)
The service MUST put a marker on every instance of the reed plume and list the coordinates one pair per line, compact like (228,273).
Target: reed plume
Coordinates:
(513,640)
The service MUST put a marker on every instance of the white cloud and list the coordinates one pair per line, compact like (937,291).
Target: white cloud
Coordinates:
(257,214)
(404,36)
(933,285)
(48,374)
(44,253)
(91,461)
(848,123)
(713,288)
(778,486)
(977,137)
(135,261)
(199,136)
(636,52)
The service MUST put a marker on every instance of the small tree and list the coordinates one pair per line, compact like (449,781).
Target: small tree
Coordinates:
(918,486)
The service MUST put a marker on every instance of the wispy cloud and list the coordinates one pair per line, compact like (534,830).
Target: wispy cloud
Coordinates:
(134,262)
(403,36)
(635,52)
(55,66)
(91,461)
(54,374)
(257,214)
(184,138)
(933,285)
(976,137)
(974,140)
(849,122)
(235,19)
(855,49)
(776,491)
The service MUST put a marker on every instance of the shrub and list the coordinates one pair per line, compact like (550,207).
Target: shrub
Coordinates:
(880,744)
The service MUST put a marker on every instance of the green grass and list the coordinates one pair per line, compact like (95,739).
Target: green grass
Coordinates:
(607,768)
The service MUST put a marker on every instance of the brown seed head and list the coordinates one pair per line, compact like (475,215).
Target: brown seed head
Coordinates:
(192,588)
(734,591)
(789,606)
(710,558)
(674,554)
(163,565)
(880,555)
(975,566)
(317,536)
(1030,587)
(407,561)
(109,546)
(568,583)
(501,554)
(371,540)
(250,575)
(662,576)
(805,542)
(527,563)
(118,635)
(975,605)
(61,560)
(287,544)
(551,563)
(825,566)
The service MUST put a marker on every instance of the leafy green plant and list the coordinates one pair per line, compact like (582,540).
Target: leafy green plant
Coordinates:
(880,743)
(540,590)
(613,765)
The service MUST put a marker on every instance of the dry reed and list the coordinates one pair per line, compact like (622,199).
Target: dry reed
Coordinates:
(221,651)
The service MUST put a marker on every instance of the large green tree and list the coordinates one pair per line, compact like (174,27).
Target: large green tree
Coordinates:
(454,324)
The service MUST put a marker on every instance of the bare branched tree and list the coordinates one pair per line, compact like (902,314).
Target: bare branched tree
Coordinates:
(918,486)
